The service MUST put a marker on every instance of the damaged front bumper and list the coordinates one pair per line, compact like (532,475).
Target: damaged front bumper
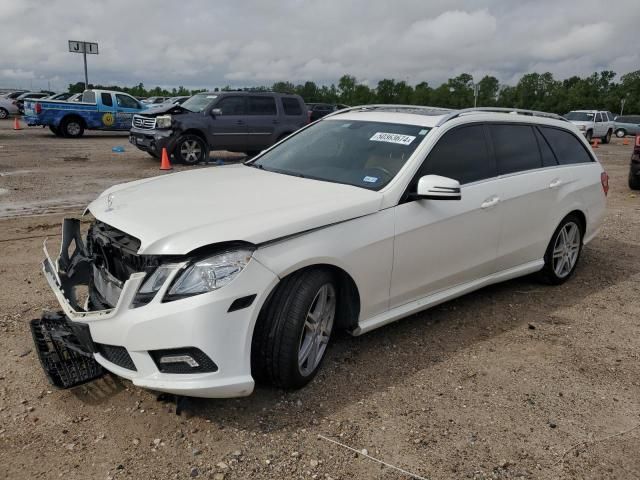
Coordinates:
(128,338)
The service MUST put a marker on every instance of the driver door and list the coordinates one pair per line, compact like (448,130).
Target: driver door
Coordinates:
(228,128)
(443,243)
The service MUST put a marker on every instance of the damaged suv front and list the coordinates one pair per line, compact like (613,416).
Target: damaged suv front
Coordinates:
(162,321)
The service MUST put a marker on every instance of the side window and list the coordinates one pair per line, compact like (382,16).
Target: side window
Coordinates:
(125,101)
(291,106)
(598,117)
(106,99)
(566,146)
(548,158)
(89,96)
(232,106)
(262,106)
(461,154)
(610,115)
(515,147)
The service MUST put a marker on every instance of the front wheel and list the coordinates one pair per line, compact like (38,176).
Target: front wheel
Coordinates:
(620,133)
(4,113)
(293,331)
(563,251)
(607,137)
(191,149)
(588,136)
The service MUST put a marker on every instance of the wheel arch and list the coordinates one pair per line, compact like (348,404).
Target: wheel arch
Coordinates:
(581,216)
(194,131)
(72,116)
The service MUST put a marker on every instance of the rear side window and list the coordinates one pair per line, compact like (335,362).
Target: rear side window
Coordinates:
(460,154)
(548,158)
(89,96)
(106,99)
(567,148)
(262,106)
(291,106)
(515,147)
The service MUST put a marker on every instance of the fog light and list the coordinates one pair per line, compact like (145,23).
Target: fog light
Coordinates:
(180,359)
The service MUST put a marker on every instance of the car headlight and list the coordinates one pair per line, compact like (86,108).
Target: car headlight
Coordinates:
(210,274)
(581,127)
(163,121)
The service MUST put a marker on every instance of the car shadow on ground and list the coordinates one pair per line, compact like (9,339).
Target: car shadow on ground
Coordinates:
(356,367)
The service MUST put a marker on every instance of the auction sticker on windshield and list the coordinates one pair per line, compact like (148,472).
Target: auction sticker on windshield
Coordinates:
(392,138)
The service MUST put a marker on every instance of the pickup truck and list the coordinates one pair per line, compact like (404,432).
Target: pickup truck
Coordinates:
(593,123)
(98,110)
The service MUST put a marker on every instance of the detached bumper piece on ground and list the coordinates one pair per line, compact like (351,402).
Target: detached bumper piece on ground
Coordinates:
(64,350)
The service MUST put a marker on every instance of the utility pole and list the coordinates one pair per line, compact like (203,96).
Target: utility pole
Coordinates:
(622,101)
(476,89)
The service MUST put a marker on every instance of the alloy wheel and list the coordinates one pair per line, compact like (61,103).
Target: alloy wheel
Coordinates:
(190,151)
(73,129)
(566,249)
(317,329)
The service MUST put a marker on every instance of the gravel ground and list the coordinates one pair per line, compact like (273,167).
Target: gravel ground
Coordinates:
(517,380)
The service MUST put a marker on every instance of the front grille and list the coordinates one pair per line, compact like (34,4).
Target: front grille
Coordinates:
(116,355)
(144,122)
(116,252)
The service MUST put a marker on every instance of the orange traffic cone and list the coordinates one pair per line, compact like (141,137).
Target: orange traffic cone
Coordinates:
(625,141)
(165,164)
(595,143)
(16,124)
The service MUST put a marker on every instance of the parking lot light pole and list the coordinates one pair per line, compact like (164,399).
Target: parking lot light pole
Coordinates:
(76,46)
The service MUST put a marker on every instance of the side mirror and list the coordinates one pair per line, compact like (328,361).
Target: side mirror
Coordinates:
(435,187)
(216,112)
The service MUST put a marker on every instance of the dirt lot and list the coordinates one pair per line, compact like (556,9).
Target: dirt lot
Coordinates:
(518,380)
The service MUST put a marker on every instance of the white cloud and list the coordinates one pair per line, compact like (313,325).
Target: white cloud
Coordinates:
(199,43)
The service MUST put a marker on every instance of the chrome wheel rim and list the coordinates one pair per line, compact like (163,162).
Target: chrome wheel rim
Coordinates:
(620,133)
(3,113)
(190,151)
(317,329)
(73,128)
(566,249)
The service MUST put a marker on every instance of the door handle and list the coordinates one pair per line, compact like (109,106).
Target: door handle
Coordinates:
(555,183)
(490,202)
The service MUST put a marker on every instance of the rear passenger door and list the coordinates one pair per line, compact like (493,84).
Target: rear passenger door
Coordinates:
(440,244)
(262,121)
(530,183)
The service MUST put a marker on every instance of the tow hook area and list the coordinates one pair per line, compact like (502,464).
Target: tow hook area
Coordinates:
(65,350)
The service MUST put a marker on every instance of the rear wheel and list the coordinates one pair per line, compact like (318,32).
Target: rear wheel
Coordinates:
(294,329)
(620,133)
(563,251)
(607,137)
(634,181)
(191,149)
(72,127)
(4,113)
(55,131)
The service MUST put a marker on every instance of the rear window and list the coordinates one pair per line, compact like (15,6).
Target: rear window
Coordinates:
(567,148)
(515,147)
(262,106)
(291,106)
(106,99)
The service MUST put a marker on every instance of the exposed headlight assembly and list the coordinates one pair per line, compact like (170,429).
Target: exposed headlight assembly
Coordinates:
(581,127)
(209,274)
(163,121)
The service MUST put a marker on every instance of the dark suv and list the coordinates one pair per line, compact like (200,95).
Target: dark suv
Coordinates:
(235,121)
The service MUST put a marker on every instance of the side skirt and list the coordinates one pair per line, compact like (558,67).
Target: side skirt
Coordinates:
(442,296)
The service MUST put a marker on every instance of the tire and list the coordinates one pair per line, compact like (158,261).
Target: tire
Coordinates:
(4,113)
(560,267)
(621,133)
(589,135)
(634,181)
(285,330)
(191,149)
(72,127)
(607,137)
(154,155)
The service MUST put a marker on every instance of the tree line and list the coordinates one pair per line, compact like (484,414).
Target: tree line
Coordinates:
(536,91)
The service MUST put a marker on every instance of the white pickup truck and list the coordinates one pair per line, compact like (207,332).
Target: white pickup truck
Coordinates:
(593,123)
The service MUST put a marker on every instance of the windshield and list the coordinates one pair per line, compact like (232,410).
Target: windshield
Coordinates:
(580,116)
(198,102)
(364,154)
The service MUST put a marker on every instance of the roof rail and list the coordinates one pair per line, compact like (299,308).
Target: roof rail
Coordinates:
(390,106)
(518,111)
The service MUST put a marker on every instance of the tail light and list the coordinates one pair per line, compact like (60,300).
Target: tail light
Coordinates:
(604,180)
(38,108)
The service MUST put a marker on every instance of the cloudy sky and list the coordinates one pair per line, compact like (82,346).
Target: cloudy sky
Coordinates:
(208,43)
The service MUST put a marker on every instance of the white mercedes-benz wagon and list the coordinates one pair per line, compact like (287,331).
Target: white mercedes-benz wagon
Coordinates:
(203,282)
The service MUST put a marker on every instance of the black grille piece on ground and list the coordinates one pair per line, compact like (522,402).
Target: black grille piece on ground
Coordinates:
(116,355)
(64,350)
(205,364)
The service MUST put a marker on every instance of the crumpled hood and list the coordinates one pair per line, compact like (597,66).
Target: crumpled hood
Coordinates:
(175,214)
(155,110)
